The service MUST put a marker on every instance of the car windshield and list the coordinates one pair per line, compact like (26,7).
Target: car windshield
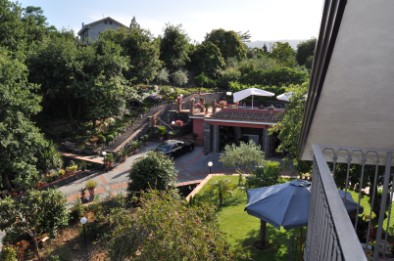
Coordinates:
(163,147)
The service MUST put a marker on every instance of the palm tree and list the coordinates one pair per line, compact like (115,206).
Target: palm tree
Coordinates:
(223,188)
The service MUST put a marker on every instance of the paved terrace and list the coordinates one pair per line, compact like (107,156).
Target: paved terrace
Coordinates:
(191,167)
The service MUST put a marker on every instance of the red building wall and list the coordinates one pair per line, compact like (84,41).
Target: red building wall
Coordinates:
(198,128)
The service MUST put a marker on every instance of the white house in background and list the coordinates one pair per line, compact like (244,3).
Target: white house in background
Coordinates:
(93,30)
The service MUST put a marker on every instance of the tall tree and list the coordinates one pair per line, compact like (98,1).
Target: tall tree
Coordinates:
(53,64)
(284,53)
(11,27)
(20,138)
(101,91)
(229,42)
(305,52)
(174,48)
(207,59)
(34,24)
(141,48)
(289,127)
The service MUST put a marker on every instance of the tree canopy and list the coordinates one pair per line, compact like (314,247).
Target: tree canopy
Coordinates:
(244,157)
(20,138)
(289,127)
(229,43)
(166,228)
(174,48)
(305,53)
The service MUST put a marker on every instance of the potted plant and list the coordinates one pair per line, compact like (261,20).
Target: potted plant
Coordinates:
(109,160)
(83,195)
(123,155)
(90,186)
(222,104)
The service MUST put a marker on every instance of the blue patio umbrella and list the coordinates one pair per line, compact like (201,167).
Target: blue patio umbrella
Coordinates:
(287,204)
(284,204)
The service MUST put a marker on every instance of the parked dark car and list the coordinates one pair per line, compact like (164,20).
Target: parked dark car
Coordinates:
(174,148)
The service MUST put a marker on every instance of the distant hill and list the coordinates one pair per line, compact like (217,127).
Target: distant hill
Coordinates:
(260,44)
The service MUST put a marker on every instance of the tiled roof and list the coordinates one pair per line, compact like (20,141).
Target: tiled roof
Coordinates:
(249,115)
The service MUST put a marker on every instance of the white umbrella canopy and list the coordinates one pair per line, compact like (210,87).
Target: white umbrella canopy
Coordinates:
(238,96)
(285,96)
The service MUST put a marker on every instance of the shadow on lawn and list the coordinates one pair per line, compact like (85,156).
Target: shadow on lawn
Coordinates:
(278,245)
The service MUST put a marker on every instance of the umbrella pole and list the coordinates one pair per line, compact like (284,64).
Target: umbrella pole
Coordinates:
(252,101)
(300,256)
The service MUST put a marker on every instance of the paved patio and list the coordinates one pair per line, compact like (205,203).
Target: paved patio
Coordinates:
(191,166)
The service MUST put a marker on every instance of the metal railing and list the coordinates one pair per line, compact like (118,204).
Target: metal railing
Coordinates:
(333,233)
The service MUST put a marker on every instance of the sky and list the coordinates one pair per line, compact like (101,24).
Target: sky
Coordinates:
(266,20)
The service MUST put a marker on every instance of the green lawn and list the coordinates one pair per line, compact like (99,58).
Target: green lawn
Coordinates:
(367,208)
(241,229)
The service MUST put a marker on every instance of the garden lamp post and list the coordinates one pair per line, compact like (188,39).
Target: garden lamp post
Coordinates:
(83,221)
(104,153)
(210,164)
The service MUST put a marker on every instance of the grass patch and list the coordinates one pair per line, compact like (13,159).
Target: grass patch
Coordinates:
(241,229)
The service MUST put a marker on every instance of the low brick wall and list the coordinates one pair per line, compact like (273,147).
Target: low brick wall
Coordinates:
(66,180)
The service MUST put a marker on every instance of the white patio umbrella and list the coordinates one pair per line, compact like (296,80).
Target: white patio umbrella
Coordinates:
(238,96)
(285,96)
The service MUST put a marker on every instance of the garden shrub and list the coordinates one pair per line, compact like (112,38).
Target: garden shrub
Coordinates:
(77,211)
(8,253)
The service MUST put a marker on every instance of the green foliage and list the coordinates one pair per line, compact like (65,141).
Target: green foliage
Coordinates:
(179,77)
(142,50)
(243,237)
(204,81)
(223,188)
(91,184)
(72,168)
(49,158)
(77,211)
(109,157)
(284,53)
(165,228)
(21,140)
(155,171)
(229,43)
(289,127)
(207,59)
(8,253)
(265,175)
(305,52)
(230,74)
(163,76)
(174,48)
(35,213)
(244,157)
(162,130)
(276,76)
(11,28)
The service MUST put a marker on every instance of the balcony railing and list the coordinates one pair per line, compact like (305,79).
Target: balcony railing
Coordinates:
(333,233)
